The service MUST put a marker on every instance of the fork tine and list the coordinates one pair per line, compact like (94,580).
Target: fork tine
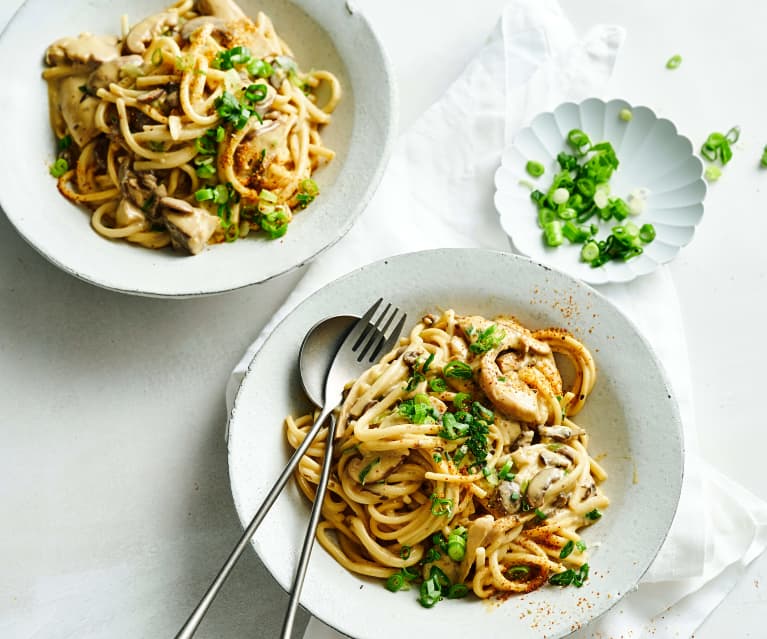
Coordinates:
(376,333)
(386,346)
(362,327)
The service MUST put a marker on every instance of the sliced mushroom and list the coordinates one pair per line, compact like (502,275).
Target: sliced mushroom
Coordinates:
(85,48)
(190,26)
(525,439)
(560,433)
(190,227)
(143,190)
(411,357)
(148,29)
(505,500)
(151,96)
(540,483)
(550,458)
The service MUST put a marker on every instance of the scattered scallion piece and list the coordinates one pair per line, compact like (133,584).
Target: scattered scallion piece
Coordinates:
(518,571)
(567,549)
(625,114)
(763,161)
(456,544)
(674,61)
(535,169)
(59,167)
(593,515)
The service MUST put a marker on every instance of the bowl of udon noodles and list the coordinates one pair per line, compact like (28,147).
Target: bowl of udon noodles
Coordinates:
(510,468)
(192,148)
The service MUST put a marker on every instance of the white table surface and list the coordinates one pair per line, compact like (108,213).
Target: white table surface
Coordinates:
(115,508)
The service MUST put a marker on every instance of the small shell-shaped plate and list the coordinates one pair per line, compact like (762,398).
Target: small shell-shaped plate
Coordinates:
(653,155)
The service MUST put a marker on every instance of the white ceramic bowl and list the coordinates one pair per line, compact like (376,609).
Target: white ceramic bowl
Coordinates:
(652,155)
(322,33)
(631,416)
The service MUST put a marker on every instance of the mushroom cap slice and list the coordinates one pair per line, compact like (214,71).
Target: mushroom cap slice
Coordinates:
(540,484)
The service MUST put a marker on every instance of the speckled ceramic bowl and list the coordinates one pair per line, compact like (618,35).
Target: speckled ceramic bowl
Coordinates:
(652,155)
(634,427)
(327,34)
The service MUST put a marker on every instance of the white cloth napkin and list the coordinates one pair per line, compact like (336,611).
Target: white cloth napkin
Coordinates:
(438,192)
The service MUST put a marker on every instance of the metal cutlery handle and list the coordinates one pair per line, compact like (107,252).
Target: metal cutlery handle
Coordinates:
(192,623)
(311,529)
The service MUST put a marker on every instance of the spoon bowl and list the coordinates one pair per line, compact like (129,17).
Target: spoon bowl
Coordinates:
(317,350)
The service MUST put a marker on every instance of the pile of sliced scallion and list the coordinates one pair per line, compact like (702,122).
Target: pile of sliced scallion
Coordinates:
(580,193)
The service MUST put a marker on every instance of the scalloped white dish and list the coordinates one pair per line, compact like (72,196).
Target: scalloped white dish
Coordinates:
(653,155)
(634,429)
(330,35)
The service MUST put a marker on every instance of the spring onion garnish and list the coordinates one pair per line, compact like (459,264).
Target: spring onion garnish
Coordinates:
(457,591)
(540,514)
(157,57)
(404,552)
(365,471)
(487,340)
(456,544)
(674,61)
(535,169)
(395,582)
(233,112)
(307,191)
(226,60)
(275,224)
(430,593)
(202,195)
(457,369)
(763,161)
(59,167)
(256,93)
(579,141)
(260,68)
(580,546)
(441,507)
(438,385)
(205,167)
(593,515)
(567,549)
(505,471)
(717,145)
(460,400)
(626,115)
(518,572)
(418,410)
(437,458)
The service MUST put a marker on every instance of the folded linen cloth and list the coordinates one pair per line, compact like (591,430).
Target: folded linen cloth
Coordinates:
(439,187)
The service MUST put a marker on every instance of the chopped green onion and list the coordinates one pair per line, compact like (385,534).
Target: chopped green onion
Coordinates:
(206,171)
(404,552)
(504,472)
(441,507)
(457,591)
(552,232)
(535,169)
(460,400)
(437,458)
(260,68)
(438,385)
(267,196)
(487,339)
(580,546)
(712,173)
(256,93)
(593,515)
(456,544)
(567,549)
(59,167)
(395,582)
(564,578)
(733,135)
(626,115)
(540,514)
(674,61)
(205,194)
(763,161)
(578,140)
(157,57)
(518,571)
(458,370)
(647,233)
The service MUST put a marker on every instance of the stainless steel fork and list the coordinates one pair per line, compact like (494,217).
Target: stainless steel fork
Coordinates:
(364,344)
